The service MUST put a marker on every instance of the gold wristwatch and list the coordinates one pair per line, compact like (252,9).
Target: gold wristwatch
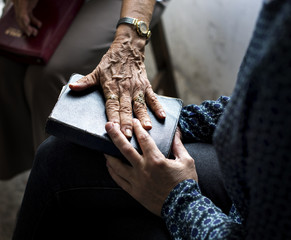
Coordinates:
(141,27)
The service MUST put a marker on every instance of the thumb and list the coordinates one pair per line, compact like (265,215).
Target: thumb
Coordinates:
(90,80)
(178,148)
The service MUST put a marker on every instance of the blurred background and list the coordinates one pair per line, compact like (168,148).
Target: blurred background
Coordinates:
(207,40)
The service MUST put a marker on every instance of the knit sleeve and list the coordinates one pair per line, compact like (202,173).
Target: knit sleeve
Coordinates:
(198,122)
(190,215)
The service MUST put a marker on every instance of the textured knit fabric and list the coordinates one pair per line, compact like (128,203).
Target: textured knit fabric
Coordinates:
(252,137)
(199,122)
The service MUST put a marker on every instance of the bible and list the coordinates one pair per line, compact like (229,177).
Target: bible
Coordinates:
(56,17)
(80,117)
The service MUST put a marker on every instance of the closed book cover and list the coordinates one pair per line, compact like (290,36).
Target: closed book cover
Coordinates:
(56,17)
(80,118)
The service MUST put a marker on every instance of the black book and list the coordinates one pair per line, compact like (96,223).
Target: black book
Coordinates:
(80,117)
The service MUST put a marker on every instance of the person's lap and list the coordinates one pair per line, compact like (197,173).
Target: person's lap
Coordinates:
(71,192)
(209,176)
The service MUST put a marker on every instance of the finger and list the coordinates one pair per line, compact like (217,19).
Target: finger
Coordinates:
(24,23)
(140,110)
(35,21)
(121,142)
(112,108)
(178,148)
(125,114)
(115,173)
(179,133)
(33,31)
(87,81)
(147,144)
(111,94)
(154,103)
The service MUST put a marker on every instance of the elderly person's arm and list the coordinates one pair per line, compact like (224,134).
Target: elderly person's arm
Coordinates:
(122,73)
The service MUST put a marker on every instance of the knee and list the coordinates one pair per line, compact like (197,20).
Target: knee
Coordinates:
(52,160)
(45,158)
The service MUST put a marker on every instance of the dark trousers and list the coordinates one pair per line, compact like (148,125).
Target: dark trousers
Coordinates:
(70,195)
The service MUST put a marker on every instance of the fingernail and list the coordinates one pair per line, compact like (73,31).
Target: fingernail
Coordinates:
(147,124)
(135,120)
(109,126)
(163,114)
(74,84)
(128,133)
(116,125)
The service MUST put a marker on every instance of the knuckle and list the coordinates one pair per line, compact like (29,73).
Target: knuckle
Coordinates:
(126,109)
(109,86)
(124,85)
(140,109)
(86,80)
(143,137)
(154,102)
(152,99)
(159,162)
(190,160)
(149,89)
(156,162)
(112,105)
(112,112)
(113,134)
(91,78)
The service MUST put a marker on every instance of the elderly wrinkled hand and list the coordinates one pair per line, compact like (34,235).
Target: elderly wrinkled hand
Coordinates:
(151,176)
(27,22)
(122,75)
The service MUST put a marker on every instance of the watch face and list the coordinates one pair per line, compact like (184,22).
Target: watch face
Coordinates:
(143,28)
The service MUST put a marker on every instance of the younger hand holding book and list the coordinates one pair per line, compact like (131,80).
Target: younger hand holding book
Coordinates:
(151,176)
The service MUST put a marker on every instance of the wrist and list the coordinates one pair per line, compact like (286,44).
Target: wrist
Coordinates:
(125,32)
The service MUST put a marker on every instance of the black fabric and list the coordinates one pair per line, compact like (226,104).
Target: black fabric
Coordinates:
(70,193)
(209,175)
